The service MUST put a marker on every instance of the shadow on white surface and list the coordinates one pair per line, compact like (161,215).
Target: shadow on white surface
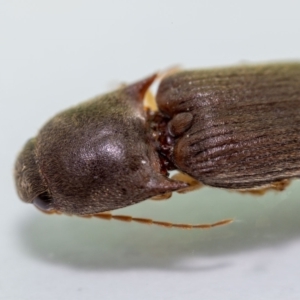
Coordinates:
(101,245)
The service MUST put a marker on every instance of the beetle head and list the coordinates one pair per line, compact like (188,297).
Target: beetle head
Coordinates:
(94,157)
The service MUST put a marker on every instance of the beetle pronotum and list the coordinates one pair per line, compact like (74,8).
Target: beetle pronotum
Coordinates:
(234,128)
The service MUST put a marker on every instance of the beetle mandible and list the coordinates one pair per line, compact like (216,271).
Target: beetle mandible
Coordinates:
(234,128)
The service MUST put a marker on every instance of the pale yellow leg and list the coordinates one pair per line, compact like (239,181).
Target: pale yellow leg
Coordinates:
(168,72)
(149,101)
(193,183)
(162,196)
(278,186)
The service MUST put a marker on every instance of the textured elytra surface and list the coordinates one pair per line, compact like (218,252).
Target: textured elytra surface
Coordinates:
(245,128)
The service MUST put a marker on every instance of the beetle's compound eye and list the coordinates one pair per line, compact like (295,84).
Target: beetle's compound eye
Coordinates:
(44,203)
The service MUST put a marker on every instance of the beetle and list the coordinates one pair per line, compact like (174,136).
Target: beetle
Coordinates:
(235,128)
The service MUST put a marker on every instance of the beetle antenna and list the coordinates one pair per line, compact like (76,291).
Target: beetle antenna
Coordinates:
(108,216)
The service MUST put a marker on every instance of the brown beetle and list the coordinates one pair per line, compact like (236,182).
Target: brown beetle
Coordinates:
(235,128)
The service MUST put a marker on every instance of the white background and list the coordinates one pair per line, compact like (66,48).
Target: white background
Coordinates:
(54,54)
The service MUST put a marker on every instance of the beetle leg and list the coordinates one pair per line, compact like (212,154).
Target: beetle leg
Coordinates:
(164,196)
(168,72)
(108,216)
(149,101)
(193,183)
(278,186)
